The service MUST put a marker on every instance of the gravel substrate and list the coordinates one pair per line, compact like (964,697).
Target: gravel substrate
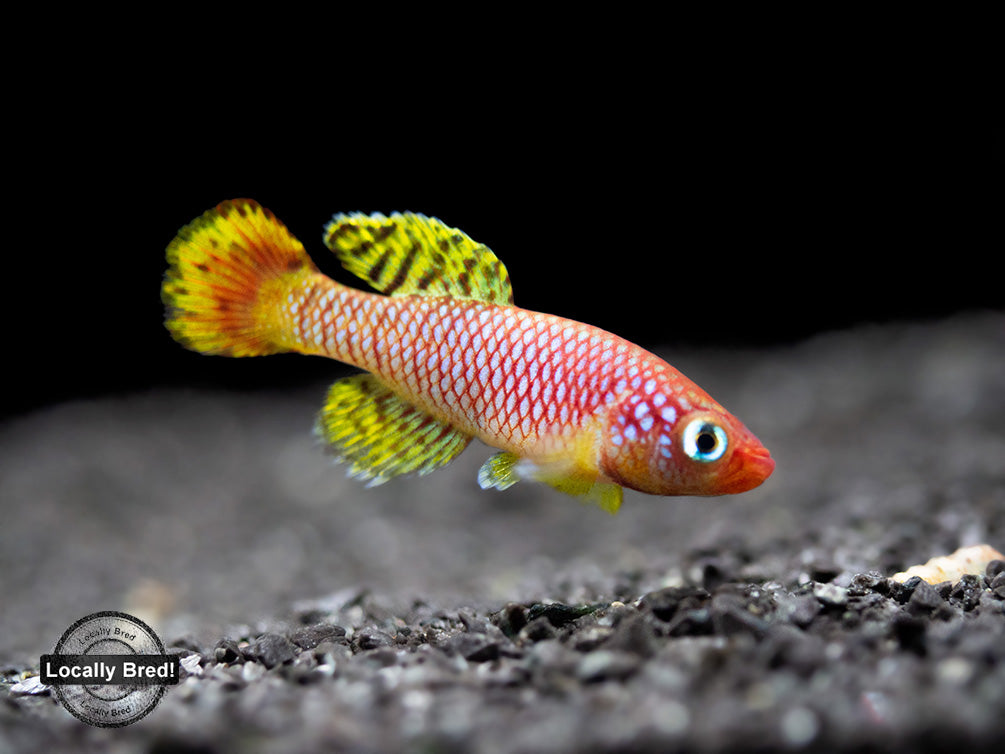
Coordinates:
(426,615)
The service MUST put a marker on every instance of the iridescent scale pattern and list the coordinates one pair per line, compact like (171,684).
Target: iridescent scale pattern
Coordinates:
(518,379)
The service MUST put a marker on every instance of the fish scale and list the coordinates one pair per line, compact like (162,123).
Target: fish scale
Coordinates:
(518,376)
(448,357)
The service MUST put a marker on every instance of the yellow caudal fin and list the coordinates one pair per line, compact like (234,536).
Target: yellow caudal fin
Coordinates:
(411,254)
(227,273)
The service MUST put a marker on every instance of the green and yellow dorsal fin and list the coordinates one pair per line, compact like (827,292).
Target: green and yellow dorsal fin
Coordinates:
(411,254)
(365,424)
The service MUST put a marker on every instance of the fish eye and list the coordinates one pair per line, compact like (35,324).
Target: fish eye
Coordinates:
(704,441)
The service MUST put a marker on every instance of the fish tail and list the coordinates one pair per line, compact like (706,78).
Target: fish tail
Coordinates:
(229,271)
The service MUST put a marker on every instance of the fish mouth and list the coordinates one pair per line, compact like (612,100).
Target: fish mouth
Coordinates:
(749,468)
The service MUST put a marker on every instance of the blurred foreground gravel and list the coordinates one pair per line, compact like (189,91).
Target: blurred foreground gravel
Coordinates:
(427,615)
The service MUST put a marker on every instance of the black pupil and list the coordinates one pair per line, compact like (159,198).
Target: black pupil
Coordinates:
(706,441)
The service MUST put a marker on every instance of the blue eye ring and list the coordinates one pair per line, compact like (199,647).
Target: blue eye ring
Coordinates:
(704,441)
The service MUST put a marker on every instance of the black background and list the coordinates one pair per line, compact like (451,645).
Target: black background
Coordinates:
(739,214)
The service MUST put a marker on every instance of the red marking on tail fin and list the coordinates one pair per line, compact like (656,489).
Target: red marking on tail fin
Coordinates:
(229,270)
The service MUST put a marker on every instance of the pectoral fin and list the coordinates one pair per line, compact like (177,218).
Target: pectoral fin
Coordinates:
(499,471)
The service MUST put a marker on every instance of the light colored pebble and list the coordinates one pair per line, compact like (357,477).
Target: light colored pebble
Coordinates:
(973,560)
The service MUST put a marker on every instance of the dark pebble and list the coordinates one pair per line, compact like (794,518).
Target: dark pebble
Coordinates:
(998,584)
(538,629)
(309,637)
(381,657)
(909,631)
(801,610)
(559,615)
(312,616)
(696,622)
(786,646)
(473,647)
(271,650)
(902,591)
(994,568)
(227,651)
(830,595)
(511,619)
(715,572)
(967,592)
(301,674)
(590,638)
(327,650)
(991,605)
(665,603)
(872,581)
(605,665)
(372,638)
(470,623)
(612,615)
(731,617)
(924,600)
(824,571)
(633,635)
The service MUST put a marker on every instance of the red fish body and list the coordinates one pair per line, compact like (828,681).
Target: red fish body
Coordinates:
(448,357)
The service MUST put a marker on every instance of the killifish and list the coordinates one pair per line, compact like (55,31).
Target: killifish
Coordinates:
(447,357)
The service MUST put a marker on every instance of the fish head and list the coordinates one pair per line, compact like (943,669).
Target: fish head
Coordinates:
(680,443)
